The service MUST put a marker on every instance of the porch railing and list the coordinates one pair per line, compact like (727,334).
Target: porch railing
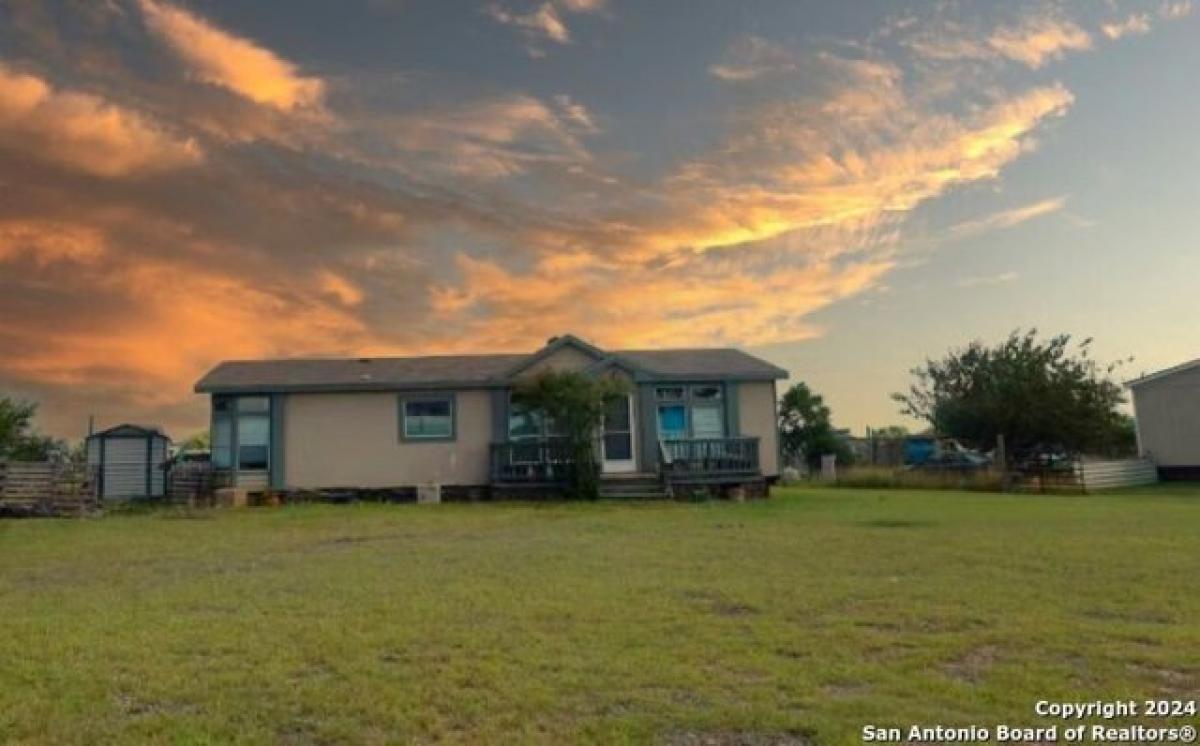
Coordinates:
(549,461)
(709,458)
(536,460)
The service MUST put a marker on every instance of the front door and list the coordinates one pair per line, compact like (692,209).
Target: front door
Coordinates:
(618,435)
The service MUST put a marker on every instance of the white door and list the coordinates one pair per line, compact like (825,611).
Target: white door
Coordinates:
(618,442)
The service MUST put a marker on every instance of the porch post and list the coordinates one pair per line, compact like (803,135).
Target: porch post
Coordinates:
(647,427)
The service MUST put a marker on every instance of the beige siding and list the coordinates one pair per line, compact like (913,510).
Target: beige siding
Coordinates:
(756,417)
(353,440)
(1168,419)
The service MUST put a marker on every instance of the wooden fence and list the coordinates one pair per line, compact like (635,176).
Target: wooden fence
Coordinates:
(37,488)
(192,482)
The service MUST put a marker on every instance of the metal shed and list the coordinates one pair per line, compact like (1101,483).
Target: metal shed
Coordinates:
(129,461)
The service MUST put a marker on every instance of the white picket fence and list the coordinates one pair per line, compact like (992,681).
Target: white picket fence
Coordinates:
(1105,475)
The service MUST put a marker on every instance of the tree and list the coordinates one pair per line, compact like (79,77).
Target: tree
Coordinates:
(1038,394)
(17,439)
(895,432)
(196,442)
(575,403)
(806,429)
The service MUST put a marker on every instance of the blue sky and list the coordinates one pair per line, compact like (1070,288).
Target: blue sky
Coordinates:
(843,188)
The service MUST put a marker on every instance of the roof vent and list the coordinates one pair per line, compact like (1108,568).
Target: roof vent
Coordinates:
(364,360)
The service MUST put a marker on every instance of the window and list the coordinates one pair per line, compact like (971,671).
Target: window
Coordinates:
(430,418)
(695,411)
(222,443)
(254,404)
(708,422)
(523,423)
(672,422)
(254,438)
(241,432)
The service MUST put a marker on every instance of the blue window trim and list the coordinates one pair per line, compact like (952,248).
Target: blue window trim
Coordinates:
(233,414)
(414,397)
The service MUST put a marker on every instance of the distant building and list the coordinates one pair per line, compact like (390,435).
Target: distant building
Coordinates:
(1167,407)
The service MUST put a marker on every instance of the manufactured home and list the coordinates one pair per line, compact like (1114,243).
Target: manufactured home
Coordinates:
(1167,411)
(692,416)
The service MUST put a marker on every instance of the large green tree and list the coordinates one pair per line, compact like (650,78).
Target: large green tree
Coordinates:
(1037,393)
(806,428)
(575,402)
(18,441)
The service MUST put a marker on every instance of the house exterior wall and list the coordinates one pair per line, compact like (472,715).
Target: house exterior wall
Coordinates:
(353,440)
(757,418)
(1168,419)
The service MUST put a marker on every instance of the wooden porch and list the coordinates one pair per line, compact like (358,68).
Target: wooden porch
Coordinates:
(547,461)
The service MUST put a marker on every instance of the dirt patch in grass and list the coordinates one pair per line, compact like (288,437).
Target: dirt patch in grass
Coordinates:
(735,738)
(1171,681)
(1137,616)
(720,605)
(972,667)
(846,689)
(897,523)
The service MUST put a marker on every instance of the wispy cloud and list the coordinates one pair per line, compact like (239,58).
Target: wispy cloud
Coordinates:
(752,56)
(237,64)
(1174,9)
(1008,218)
(84,131)
(1138,23)
(983,280)
(1033,41)
(546,21)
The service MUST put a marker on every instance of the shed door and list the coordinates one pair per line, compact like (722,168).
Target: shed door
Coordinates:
(125,468)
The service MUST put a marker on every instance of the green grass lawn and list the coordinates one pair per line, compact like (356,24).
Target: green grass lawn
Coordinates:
(802,617)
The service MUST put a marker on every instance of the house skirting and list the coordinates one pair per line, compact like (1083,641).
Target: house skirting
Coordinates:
(1179,473)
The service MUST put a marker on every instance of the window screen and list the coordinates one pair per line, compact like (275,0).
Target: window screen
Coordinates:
(429,418)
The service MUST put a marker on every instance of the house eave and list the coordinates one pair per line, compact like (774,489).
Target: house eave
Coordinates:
(1165,373)
(336,388)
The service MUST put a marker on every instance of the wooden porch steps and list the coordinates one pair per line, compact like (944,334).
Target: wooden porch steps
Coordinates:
(632,487)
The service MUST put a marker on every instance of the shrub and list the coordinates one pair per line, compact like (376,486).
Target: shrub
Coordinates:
(873,477)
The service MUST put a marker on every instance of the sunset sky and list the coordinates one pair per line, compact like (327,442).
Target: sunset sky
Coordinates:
(842,188)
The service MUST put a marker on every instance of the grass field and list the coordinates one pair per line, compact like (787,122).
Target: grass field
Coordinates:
(797,619)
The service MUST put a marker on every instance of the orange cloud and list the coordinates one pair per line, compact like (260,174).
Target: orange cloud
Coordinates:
(172,320)
(83,131)
(338,287)
(1009,218)
(1039,40)
(1032,41)
(701,302)
(48,242)
(232,62)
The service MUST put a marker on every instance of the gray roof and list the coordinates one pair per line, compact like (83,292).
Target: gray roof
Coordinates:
(724,362)
(1181,368)
(129,430)
(462,371)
